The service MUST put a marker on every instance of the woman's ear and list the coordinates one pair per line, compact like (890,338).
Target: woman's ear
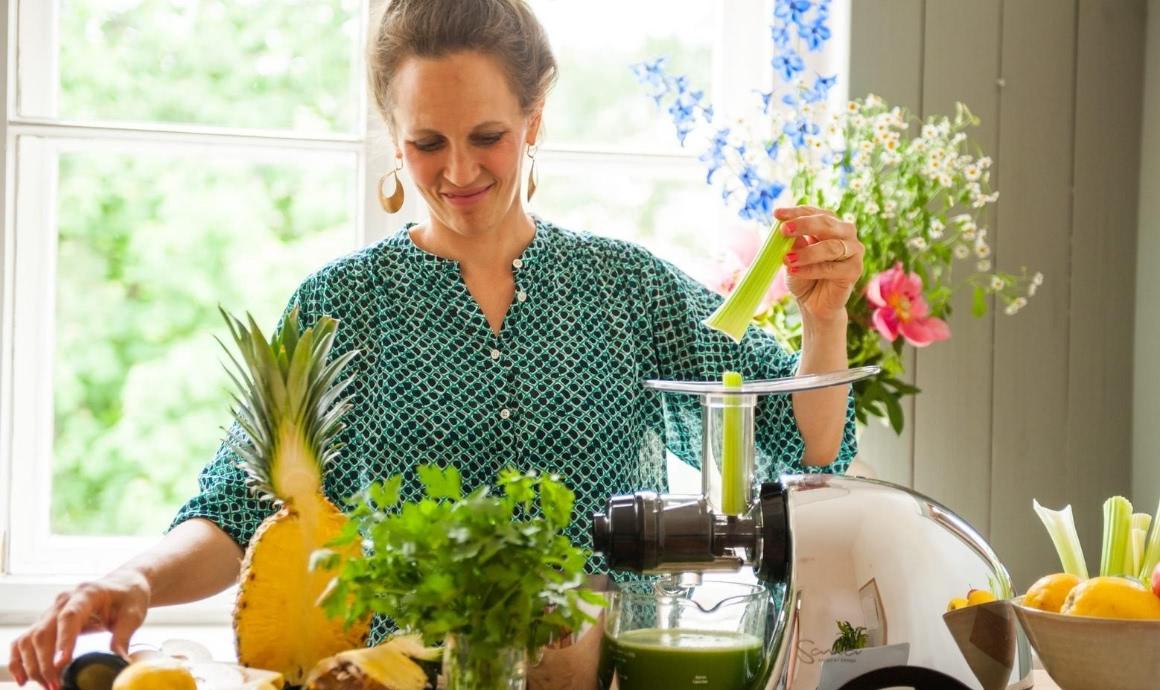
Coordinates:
(534,121)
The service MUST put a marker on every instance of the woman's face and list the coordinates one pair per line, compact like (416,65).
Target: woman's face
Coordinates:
(462,134)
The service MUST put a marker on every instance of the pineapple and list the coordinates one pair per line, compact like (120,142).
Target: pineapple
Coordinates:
(392,665)
(288,406)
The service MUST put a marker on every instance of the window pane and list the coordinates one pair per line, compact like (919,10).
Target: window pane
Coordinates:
(597,101)
(675,214)
(149,246)
(269,64)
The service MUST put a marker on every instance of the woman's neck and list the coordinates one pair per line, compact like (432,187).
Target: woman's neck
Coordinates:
(491,250)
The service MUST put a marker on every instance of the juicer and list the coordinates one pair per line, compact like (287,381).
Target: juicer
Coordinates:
(858,572)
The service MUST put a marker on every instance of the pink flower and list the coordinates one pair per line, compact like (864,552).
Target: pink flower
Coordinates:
(744,243)
(900,308)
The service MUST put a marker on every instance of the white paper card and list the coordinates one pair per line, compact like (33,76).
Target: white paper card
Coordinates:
(839,669)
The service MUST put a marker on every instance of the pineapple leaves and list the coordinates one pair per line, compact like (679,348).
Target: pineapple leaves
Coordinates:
(284,389)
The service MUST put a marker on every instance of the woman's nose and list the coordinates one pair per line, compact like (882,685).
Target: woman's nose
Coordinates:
(462,169)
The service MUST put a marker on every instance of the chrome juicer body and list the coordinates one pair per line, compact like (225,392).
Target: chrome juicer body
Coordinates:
(832,549)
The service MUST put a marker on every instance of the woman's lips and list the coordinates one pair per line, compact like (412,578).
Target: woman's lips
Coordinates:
(467,198)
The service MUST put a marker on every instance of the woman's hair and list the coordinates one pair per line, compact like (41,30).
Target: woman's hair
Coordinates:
(505,29)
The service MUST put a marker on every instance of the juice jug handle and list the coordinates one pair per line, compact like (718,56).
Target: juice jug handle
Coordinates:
(916,677)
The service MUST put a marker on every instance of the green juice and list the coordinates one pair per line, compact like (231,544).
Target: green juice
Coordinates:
(674,659)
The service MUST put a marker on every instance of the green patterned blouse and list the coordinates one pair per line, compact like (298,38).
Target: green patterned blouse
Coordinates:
(559,389)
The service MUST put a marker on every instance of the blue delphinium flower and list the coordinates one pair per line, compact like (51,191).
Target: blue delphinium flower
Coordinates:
(796,26)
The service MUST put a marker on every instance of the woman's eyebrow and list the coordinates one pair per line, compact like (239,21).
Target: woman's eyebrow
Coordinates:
(424,132)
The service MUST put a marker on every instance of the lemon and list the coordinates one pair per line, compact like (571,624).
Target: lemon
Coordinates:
(1112,597)
(1050,591)
(958,603)
(979,596)
(158,673)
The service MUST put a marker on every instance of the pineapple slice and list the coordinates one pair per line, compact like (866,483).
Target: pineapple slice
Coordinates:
(288,405)
(389,666)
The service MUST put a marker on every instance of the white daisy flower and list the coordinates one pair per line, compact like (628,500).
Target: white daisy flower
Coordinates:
(1011,309)
(866,146)
(982,250)
(945,179)
(997,283)
(873,101)
(857,184)
(936,229)
(962,218)
(972,172)
(852,107)
(961,251)
(983,266)
(918,243)
(872,208)
(1037,279)
(929,132)
(985,162)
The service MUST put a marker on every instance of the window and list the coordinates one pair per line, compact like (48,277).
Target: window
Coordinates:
(167,156)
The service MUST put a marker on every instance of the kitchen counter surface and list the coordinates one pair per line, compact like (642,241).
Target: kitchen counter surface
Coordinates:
(1042,682)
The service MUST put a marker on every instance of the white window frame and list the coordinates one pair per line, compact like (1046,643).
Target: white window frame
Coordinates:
(35,565)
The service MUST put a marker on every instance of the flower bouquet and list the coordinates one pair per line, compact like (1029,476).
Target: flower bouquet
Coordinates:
(916,190)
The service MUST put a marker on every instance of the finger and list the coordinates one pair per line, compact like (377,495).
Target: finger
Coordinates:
(15,663)
(44,647)
(822,251)
(791,212)
(823,225)
(68,626)
(126,623)
(28,658)
(827,270)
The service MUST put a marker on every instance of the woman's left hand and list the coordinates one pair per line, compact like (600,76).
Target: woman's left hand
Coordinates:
(825,262)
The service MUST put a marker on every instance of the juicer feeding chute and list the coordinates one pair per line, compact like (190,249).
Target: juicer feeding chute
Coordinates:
(831,551)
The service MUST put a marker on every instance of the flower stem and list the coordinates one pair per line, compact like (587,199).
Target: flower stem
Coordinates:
(736,313)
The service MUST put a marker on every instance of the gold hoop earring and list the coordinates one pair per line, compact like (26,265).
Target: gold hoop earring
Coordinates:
(533,179)
(394,202)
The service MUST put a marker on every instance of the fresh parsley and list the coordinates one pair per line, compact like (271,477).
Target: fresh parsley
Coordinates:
(493,569)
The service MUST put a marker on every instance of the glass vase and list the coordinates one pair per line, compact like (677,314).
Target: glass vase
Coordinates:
(468,668)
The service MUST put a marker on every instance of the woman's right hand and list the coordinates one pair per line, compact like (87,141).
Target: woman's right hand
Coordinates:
(116,603)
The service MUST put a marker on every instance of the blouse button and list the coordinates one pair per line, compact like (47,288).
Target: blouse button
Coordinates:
(522,296)
(505,413)
(495,354)
(518,263)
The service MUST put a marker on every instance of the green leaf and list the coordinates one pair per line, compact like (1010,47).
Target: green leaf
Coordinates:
(979,303)
(440,482)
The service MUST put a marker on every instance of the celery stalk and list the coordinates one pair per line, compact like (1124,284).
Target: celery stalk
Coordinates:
(1061,527)
(1117,533)
(1152,552)
(1140,523)
(733,496)
(735,314)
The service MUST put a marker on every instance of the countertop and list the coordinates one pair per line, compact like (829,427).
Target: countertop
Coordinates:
(1042,682)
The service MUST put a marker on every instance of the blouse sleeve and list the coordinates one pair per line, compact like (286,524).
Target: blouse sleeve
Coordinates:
(223,496)
(688,350)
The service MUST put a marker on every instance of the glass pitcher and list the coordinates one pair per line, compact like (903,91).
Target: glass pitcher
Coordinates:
(707,637)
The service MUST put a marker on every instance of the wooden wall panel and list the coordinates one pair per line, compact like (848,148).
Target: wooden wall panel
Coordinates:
(952,459)
(891,68)
(1109,58)
(1036,137)
(1036,405)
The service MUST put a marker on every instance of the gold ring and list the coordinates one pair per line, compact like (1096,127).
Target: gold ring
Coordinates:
(845,251)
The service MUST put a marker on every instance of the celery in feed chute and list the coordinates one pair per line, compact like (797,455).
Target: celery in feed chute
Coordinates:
(734,315)
(733,498)
(1061,526)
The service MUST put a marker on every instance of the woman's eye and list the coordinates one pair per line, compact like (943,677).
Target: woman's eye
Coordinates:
(488,139)
(428,145)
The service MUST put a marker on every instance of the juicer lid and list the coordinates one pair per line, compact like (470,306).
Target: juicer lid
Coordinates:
(789,384)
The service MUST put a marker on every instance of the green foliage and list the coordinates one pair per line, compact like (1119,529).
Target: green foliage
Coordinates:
(849,638)
(496,571)
(287,64)
(917,202)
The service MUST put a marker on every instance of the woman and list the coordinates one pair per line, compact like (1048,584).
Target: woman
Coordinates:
(493,338)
